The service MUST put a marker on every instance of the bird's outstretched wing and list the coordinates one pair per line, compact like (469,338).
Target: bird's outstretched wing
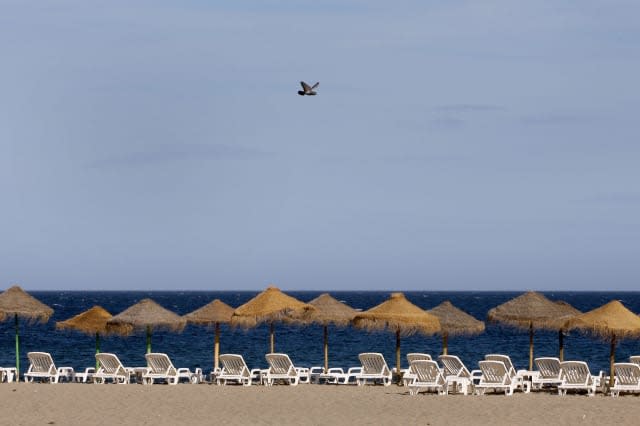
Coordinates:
(305,86)
(315,85)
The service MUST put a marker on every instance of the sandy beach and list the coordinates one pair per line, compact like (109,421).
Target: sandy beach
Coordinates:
(90,404)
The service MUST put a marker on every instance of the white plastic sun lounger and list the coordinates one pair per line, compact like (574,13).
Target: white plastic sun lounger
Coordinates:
(374,368)
(337,376)
(42,367)
(111,369)
(576,376)
(8,374)
(627,378)
(635,359)
(86,376)
(281,368)
(234,369)
(427,376)
(457,375)
(548,372)
(497,376)
(414,356)
(516,376)
(160,367)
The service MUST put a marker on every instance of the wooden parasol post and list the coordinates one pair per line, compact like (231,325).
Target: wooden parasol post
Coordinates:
(17,349)
(561,344)
(216,347)
(148,339)
(398,371)
(612,360)
(530,345)
(272,340)
(325,335)
(445,338)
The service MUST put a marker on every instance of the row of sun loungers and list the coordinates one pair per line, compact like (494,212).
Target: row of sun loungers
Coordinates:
(496,373)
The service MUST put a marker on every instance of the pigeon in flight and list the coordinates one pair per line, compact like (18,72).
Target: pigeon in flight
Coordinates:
(308,90)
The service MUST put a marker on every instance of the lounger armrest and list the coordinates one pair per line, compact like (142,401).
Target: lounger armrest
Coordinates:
(335,370)
(183,370)
(476,376)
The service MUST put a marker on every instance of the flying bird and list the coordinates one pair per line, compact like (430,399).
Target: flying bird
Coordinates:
(308,90)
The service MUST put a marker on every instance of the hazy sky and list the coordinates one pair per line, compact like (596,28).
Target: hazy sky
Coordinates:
(454,145)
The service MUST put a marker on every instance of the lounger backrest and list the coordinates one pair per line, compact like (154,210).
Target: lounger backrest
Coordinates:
(494,372)
(41,362)
(279,363)
(453,366)
(425,370)
(504,359)
(627,373)
(234,365)
(575,372)
(109,363)
(373,363)
(548,367)
(635,359)
(417,356)
(160,363)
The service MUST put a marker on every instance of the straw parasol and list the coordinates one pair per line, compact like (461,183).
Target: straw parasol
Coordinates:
(146,315)
(328,311)
(399,315)
(531,311)
(92,322)
(455,322)
(611,321)
(214,313)
(16,303)
(270,306)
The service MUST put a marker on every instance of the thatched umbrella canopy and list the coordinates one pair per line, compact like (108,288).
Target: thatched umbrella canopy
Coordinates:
(270,306)
(328,311)
(399,315)
(455,322)
(92,322)
(612,321)
(531,311)
(16,303)
(146,315)
(214,313)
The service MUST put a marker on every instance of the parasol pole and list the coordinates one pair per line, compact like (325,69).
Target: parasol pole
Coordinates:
(561,344)
(17,349)
(325,333)
(97,350)
(612,360)
(398,372)
(271,338)
(530,345)
(148,339)
(216,347)
(445,338)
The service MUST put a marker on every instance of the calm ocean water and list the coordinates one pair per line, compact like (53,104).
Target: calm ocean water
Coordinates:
(194,347)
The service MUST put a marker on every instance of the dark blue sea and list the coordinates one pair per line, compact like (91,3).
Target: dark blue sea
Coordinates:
(194,347)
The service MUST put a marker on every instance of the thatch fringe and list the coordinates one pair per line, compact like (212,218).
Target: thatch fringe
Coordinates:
(456,322)
(606,321)
(214,312)
(532,309)
(15,301)
(143,314)
(270,306)
(90,322)
(328,310)
(398,314)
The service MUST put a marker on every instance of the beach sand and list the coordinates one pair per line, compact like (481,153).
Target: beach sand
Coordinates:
(109,404)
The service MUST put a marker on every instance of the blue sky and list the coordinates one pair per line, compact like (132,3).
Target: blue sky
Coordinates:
(453,145)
